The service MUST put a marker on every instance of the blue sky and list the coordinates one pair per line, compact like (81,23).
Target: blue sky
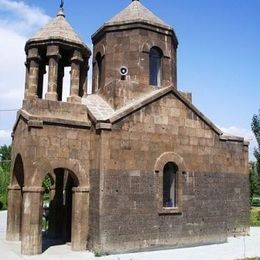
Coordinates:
(218,54)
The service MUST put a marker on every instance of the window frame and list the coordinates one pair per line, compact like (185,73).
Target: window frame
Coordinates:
(99,70)
(170,157)
(159,66)
(170,174)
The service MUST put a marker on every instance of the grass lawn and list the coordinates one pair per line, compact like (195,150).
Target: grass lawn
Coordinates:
(255,217)
(253,258)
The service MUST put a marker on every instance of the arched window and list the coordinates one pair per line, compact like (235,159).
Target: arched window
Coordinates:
(99,70)
(170,185)
(155,61)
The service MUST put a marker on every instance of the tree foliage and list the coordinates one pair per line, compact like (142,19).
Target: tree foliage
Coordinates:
(5,150)
(47,183)
(254,170)
(256,130)
(5,162)
(254,181)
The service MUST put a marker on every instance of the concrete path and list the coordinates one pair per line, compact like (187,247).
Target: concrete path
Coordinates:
(236,248)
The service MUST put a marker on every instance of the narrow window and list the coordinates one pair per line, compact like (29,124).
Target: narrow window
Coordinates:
(155,59)
(98,70)
(170,185)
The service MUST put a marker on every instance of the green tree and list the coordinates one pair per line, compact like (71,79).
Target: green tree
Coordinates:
(5,162)
(254,181)
(256,130)
(4,182)
(5,157)
(5,150)
(254,170)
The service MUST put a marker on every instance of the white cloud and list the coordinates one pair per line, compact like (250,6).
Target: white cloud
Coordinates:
(21,17)
(5,137)
(236,131)
(18,21)
(246,133)
(11,66)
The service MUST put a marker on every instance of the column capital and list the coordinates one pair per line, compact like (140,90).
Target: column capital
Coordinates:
(53,51)
(33,54)
(77,57)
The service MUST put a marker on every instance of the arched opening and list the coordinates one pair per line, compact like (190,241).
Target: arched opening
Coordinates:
(18,172)
(15,200)
(155,64)
(99,70)
(170,185)
(59,226)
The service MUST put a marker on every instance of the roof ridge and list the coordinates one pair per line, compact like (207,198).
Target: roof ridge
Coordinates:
(58,28)
(149,98)
(136,11)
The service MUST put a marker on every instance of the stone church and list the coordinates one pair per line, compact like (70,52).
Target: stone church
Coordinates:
(135,164)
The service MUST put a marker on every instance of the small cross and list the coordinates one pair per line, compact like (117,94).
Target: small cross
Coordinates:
(61,3)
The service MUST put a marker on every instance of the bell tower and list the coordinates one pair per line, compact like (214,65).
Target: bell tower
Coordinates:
(51,138)
(57,46)
(135,39)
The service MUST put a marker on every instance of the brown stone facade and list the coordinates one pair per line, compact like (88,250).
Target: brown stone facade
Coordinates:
(212,179)
(120,47)
(107,152)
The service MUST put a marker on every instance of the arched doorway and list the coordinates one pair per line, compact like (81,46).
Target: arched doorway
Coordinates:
(60,208)
(15,201)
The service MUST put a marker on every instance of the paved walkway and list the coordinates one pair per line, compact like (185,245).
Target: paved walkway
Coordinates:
(236,248)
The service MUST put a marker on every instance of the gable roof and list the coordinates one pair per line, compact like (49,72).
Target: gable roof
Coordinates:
(101,111)
(111,117)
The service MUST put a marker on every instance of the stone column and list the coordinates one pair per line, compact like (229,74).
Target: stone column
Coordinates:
(54,56)
(34,61)
(80,216)
(14,214)
(76,61)
(32,220)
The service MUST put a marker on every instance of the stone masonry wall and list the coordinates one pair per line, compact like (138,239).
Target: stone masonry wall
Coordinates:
(50,147)
(131,48)
(214,187)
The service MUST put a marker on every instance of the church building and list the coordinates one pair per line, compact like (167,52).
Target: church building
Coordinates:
(135,165)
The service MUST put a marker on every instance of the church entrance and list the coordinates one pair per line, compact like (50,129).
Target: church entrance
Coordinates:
(57,208)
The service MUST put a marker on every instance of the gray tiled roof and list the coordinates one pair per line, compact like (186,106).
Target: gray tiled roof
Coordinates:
(98,107)
(59,29)
(136,12)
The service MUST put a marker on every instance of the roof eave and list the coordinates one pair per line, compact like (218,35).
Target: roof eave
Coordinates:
(34,42)
(134,24)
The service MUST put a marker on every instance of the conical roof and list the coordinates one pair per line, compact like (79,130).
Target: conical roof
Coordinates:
(136,12)
(58,29)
